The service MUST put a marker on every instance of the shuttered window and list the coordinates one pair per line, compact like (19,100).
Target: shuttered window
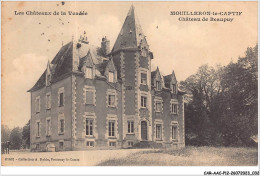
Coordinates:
(89,97)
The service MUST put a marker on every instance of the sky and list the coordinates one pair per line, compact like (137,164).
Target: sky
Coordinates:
(29,41)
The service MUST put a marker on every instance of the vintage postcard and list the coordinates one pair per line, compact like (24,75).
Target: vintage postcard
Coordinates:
(129,84)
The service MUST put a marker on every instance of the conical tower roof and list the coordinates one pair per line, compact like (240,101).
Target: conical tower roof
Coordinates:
(131,35)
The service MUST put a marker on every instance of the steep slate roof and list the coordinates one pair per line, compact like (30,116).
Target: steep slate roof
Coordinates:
(62,62)
(167,80)
(131,34)
(102,67)
(96,53)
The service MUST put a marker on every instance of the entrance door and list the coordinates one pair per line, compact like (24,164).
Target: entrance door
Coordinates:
(144,130)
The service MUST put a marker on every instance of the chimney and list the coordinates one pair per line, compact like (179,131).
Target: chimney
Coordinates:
(105,45)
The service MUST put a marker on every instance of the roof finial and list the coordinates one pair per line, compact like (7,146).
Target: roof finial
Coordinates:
(130,10)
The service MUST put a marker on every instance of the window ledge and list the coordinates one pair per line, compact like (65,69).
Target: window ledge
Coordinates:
(174,140)
(37,112)
(88,104)
(158,140)
(173,113)
(61,133)
(48,135)
(130,133)
(143,107)
(37,136)
(111,106)
(61,105)
(89,136)
(90,146)
(111,137)
(48,109)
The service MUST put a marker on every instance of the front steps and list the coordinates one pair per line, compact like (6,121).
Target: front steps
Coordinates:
(147,144)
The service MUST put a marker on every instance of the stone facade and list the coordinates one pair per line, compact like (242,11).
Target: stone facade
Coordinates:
(90,97)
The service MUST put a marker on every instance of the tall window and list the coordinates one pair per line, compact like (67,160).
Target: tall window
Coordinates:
(89,97)
(174,108)
(62,126)
(158,85)
(174,88)
(158,132)
(61,144)
(48,127)
(61,100)
(158,106)
(89,72)
(37,104)
(111,128)
(111,76)
(144,78)
(90,143)
(38,129)
(89,127)
(112,144)
(174,132)
(111,100)
(48,101)
(143,101)
(130,126)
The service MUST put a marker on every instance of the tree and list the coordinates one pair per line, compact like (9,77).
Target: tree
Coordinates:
(203,87)
(239,82)
(5,133)
(16,138)
(223,105)
(26,134)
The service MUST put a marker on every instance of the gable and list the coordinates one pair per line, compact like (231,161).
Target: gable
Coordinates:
(110,68)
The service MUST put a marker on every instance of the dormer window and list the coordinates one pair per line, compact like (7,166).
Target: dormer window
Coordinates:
(158,85)
(89,72)
(144,52)
(48,74)
(174,88)
(144,78)
(48,80)
(111,76)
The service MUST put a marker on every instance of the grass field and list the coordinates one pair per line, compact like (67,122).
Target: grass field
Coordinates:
(189,156)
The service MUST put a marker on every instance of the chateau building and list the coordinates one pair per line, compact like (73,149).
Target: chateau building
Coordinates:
(93,97)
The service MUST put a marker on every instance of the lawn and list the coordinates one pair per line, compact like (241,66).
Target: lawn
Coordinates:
(189,156)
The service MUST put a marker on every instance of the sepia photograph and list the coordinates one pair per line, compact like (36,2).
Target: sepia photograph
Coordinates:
(129,83)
